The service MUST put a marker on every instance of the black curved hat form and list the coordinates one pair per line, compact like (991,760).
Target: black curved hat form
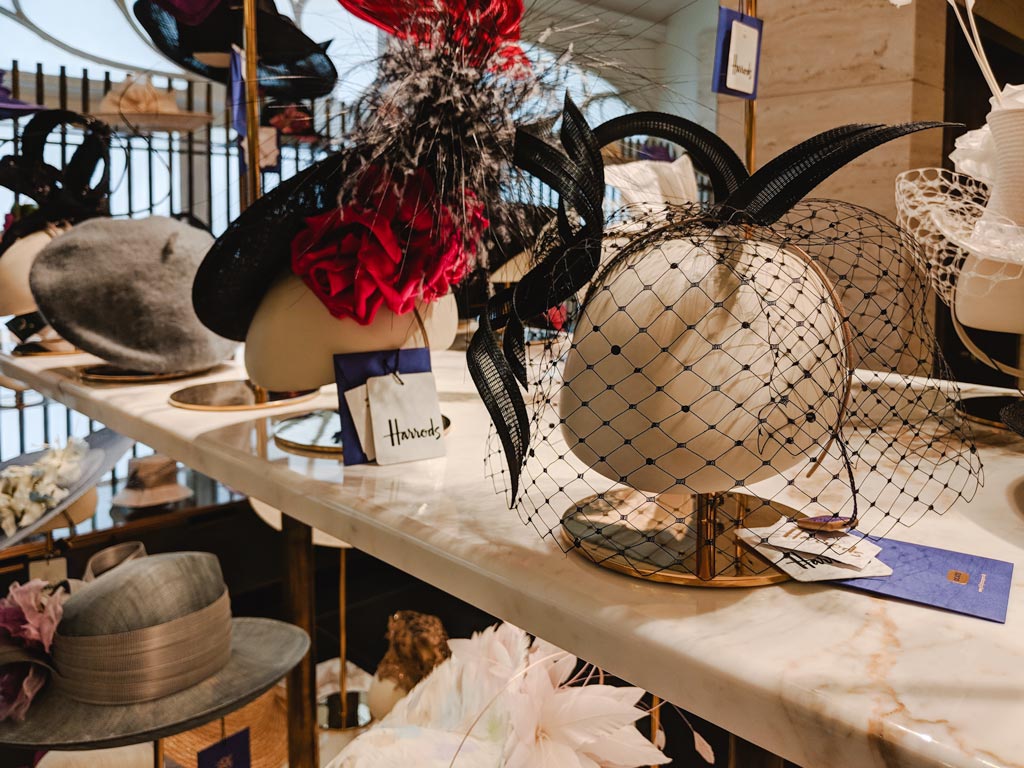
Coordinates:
(256,247)
(63,194)
(291,65)
(576,173)
(1013,416)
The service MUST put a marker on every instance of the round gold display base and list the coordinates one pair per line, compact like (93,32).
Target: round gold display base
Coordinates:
(658,542)
(236,395)
(314,432)
(984,409)
(36,349)
(319,432)
(330,716)
(110,374)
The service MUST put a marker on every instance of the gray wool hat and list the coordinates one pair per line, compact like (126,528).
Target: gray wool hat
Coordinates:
(122,290)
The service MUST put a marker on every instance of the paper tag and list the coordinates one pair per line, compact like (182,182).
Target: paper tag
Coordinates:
(359,407)
(737,54)
(232,752)
(406,417)
(809,567)
(53,569)
(842,547)
(741,71)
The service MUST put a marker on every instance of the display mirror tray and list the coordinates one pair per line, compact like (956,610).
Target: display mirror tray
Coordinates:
(104,373)
(234,395)
(658,541)
(319,432)
(984,409)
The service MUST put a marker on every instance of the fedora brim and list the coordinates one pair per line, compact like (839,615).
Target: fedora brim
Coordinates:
(182,122)
(151,497)
(262,652)
(106,447)
(241,265)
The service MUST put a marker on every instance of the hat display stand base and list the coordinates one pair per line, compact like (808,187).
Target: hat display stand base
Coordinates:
(984,409)
(37,349)
(236,395)
(332,716)
(688,540)
(319,432)
(316,432)
(104,373)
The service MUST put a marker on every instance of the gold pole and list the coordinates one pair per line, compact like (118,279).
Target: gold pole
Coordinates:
(707,507)
(252,104)
(343,632)
(158,753)
(750,108)
(655,720)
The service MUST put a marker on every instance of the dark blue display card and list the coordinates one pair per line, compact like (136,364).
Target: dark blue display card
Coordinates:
(232,752)
(739,56)
(352,370)
(969,584)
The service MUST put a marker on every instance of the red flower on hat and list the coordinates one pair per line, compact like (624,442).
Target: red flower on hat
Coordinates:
(394,245)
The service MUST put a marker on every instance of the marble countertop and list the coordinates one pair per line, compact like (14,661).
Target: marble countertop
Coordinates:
(823,676)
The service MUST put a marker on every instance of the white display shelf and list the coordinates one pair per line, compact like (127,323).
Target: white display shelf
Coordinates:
(823,676)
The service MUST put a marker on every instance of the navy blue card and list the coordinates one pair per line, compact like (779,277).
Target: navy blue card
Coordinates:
(352,370)
(232,752)
(737,54)
(969,584)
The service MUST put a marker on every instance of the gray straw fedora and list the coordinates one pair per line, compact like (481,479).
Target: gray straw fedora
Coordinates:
(122,290)
(147,650)
(106,447)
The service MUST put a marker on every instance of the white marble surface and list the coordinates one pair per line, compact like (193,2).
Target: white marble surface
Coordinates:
(826,677)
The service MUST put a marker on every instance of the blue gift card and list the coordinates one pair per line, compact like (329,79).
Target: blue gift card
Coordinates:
(970,584)
(353,369)
(737,54)
(232,752)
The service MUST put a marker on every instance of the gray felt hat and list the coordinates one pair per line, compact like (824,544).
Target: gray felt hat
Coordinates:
(122,290)
(148,650)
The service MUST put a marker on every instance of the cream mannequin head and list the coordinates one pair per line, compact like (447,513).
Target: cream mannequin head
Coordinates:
(293,338)
(15,265)
(986,302)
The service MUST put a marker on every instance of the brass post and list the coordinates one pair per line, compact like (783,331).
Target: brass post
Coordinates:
(158,753)
(655,720)
(252,104)
(750,108)
(707,506)
(343,633)
(743,754)
(300,604)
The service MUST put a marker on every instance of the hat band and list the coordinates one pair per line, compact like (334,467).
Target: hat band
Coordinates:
(145,664)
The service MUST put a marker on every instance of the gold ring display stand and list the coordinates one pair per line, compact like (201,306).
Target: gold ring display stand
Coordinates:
(234,395)
(687,540)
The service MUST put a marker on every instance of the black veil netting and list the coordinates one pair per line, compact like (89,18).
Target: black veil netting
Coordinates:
(768,346)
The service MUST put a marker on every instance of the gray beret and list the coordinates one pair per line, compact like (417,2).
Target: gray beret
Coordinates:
(122,290)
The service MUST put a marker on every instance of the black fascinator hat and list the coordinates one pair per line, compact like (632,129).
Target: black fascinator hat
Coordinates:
(256,247)
(291,65)
(64,195)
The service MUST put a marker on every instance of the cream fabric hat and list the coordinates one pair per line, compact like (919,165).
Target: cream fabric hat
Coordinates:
(137,105)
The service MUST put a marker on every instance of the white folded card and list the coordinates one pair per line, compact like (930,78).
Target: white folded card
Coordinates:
(809,567)
(840,546)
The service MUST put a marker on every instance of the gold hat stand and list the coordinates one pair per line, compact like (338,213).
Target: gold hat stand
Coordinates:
(688,540)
